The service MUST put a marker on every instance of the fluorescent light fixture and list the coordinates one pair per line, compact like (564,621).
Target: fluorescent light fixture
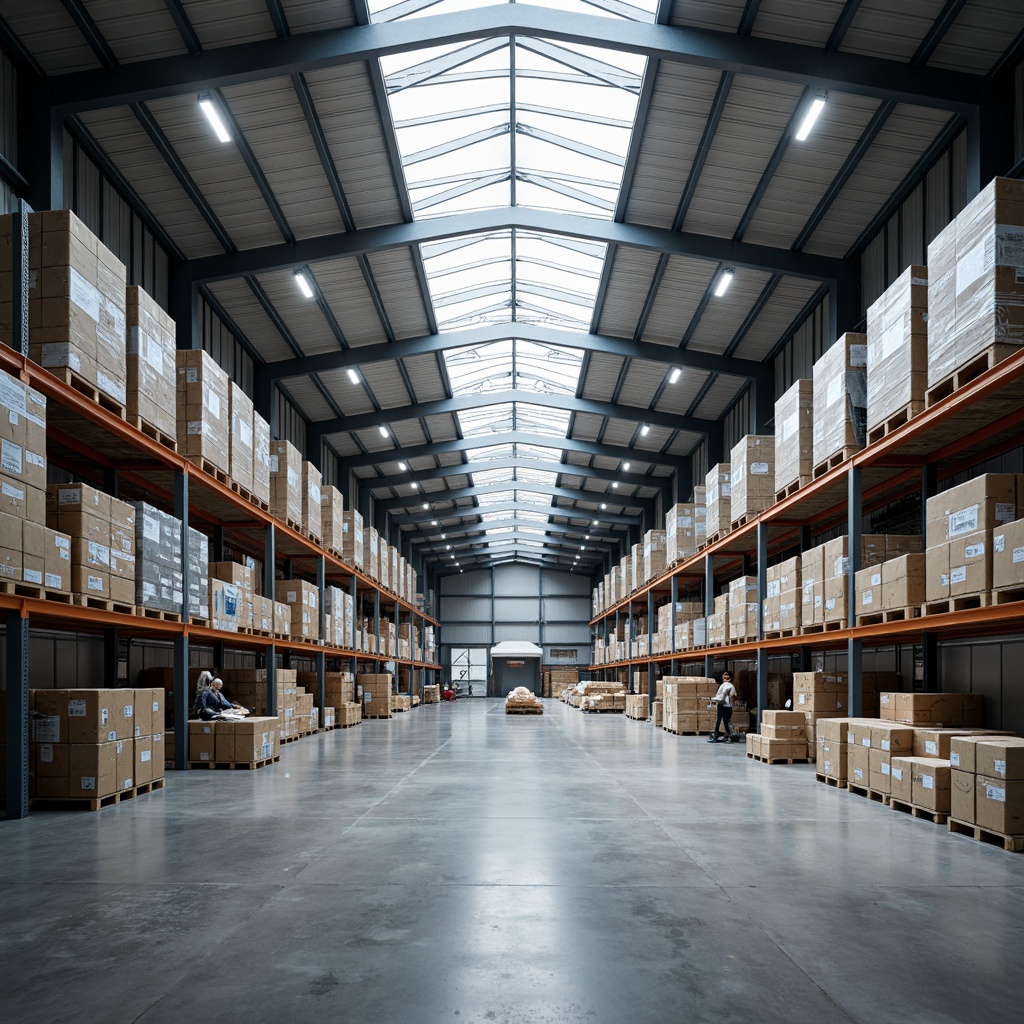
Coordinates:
(456,565)
(603,506)
(724,280)
(444,536)
(645,430)
(206,105)
(414,485)
(594,523)
(448,547)
(625,467)
(426,506)
(402,466)
(353,376)
(812,115)
(433,522)
(300,280)
(587,537)
(383,430)
(673,377)
(615,485)
(452,557)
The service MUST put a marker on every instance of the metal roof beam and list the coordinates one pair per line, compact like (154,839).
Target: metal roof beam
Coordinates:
(474,511)
(463,403)
(723,51)
(555,468)
(461,444)
(398,236)
(405,347)
(578,533)
(456,494)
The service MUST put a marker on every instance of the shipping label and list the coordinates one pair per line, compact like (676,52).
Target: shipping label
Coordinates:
(963,521)
(974,550)
(53,581)
(931,747)
(1006,511)
(95,583)
(996,793)
(958,575)
(928,781)
(46,729)
(84,295)
(11,457)
(33,576)
(999,767)
(1018,555)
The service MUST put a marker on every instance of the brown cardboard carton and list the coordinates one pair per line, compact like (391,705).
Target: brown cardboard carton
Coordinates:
(1008,555)
(719,499)
(840,397)
(203,409)
(963,751)
(52,761)
(931,786)
(260,457)
(903,582)
(311,481)
(202,741)
(984,503)
(95,716)
(930,708)
(144,764)
(970,564)
(892,738)
(93,770)
(880,770)
(962,786)
(901,778)
(832,758)
(858,764)
(240,437)
(224,743)
(752,475)
(794,435)
(938,742)
(150,380)
(286,481)
(869,590)
(936,578)
(999,804)
(1000,758)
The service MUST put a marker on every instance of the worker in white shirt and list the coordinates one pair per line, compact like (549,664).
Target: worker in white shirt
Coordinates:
(724,700)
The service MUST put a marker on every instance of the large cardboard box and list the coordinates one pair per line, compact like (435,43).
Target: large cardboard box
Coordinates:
(203,409)
(240,454)
(94,769)
(1008,556)
(144,770)
(931,785)
(903,582)
(286,482)
(202,741)
(794,435)
(718,483)
(832,758)
(260,457)
(858,765)
(984,503)
(311,481)
(753,475)
(150,362)
(1001,758)
(376,689)
(897,348)
(332,519)
(685,531)
(962,785)
(303,600)
(840,397)
(999,804)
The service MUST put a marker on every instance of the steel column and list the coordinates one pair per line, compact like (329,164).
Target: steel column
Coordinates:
(20,278)
(854,648)
(269,591)
(709,608)
(182,702)
(17,715)
(650,644)
(762,588)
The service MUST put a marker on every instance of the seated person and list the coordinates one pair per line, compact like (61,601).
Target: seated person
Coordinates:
(211,703)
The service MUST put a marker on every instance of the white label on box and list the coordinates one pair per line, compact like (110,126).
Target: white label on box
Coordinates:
(841,566)
(954,760)
(974,550)
(759,469)
(33,576)
(274,463)
(314,494)
(1007,247)
(204,756)
(46,753)
(70,496)
(876,579)
(367,697)
(112,735)
(886,745)
(1006,511)
(212,402)
(46,729)
(999,543)
(191,375)
(931,747)
(96,583)
(999,767)
(88,782)
(84,295)
(865,741)
(997,793)
(11,457)
(35,460)
(943,580)
(10,491)
(886,769)
(858,355)
(958,575)
(883,699)
(53,582)
(129,711)
(76,709)
(196,428)
(128,783)
(927,781)
(897,773)
(291,597)
(147,755)
(1018,555)
(104,716)
(969,267)
(964,521)
(858,773)
(12,395)
(98,554)
(866,597)
(803,699)
(245,431)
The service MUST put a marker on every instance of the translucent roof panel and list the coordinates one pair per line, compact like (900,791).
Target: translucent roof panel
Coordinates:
(389,10)
(508,451)
(522,365)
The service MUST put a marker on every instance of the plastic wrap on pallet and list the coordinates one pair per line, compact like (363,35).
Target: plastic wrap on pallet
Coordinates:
(260,458)
(158,576)
(654,554)
(685,531)
(794,435)
(150,381)
(203,411)
(311,480)
(198,573)
(240,455)
(753,475)
(840,397)
(897,333)
(352,548)
(285,481)
(976,280)
(719,493)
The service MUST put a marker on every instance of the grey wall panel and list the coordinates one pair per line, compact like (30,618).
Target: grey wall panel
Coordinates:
(466,583)
(1013,693)
(567,634)
(467,634)
(516,580)
(465,609)
(516,631)
(576,609)
(517,609)
(564,583)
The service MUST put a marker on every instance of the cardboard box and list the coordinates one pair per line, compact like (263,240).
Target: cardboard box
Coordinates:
(240,437)
(950,709)
(962,786)
(880,770)
(203,409)
(150,377)
(931,785)
(858,765)
(94,769)
(832,759)
(999,804)
(963,752)
(303,601)
(752,484)
(794,435)
(892,738)
(1000,758)
(85,716)
(311,481)
(144,764)
(260,457)
(901,779)
(987,502)
(869,590)
(202,741)
(719,499)
(1008,555)
(840,397)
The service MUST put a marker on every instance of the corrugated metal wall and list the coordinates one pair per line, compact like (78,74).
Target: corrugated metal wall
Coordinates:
(737,423)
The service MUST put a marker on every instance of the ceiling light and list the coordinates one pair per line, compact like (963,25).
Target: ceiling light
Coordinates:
(300,280)
(594,523)
(426,506)
(615,485)
(414,485)
(812,115)
(206,105)
(451,556)
(353,376)
(402,466)
(645,430)
(433,522)
(625,467)
(587,537)
(444,536)
(673,377)
(603,506)
(448,547)
(724,280)
(456,565)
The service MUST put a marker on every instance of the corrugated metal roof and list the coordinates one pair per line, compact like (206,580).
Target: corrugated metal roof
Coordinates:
(311,15)
(345,290)
(675,122)
(425,376)
(386,384)
(395,274)
(241,305)
(979,36)
(274,126)
(119,133)
(681,290)
(406,432)
(46,30)
(723,15)
(882,28)
(628,283)
(799,21)
(789,297)
(720,396)
(307,397)
(351,398)
(302,316)
(148,33)
(602,376)
(678,397)
(443,427)
(642,380)
(586,426)
(228,22)
(755,116)
(723,316)
(684,443)
(348,112)
(449,458)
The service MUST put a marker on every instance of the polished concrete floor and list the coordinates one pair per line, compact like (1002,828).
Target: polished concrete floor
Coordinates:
(458,865)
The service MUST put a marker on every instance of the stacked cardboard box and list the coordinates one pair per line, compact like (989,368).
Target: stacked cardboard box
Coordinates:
(783,736)
(975,294)
(653,554)
(959,529)
(150,378)
(303,600)
(812,586)
(874,551)
(987,782)
(832,747)
(35,555)
(332,519)
(685,704)
(718,622)
(719,503)
(22,450)
(91,744)
(794,436)
(76,301)
(260,458)
(1008,553)
(840,398)
(159,582)
(231,588)
(353,540)
(753,476)
(637,706)
(311,480)
(685,531)
(254,741)
(783,597)
(241,459)
(286,483)
(203,410)
(431,694)
(376,689)
(743,608)
(895,585)
(872,746)
(897,352)
(287,698)
(932,709)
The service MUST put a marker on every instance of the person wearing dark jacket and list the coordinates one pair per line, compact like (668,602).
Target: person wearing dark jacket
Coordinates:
(212,704)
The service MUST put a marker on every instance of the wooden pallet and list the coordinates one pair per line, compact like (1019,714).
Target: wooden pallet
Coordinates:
(779,634)
(290,739)
(957,604)
(973,368)
(792,488)
(523,710)
(102,604)
(699,732)
(870,794)
(1012,844)
(169,441)
(209,468)
(935,817)
(312,536)
(823,627)
(17,589)
(712,538)
(896,420)
(779,760)
(158,614)
(830,780)
(1008,595)
(636,718)
(835,460)
(890,615)
(744,519)
(346,725)
(232,765)
(603,711)
(199,620)
(84,387)
(281,636)
(261,632)
(56,803)
(376,716)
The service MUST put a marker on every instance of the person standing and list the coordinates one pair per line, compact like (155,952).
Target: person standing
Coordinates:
(724,699)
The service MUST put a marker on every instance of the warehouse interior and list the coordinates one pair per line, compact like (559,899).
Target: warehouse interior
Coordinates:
(372,357)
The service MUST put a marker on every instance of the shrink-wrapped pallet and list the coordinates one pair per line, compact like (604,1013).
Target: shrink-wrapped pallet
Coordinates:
(719,493)
(840,398)
(753,475)
(794,436)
